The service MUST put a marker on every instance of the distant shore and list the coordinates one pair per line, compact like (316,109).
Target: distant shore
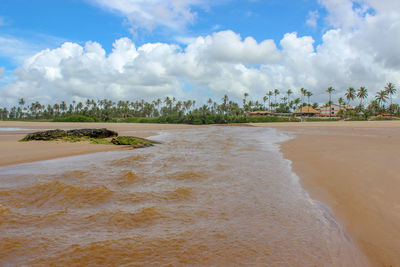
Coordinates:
(353,167)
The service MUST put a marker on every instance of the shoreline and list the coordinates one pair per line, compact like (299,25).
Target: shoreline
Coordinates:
(351,168)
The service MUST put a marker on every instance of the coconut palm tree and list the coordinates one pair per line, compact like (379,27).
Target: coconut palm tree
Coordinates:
(390,91)
(276,92)
(362,93)
(269,94)
(341,102)
(308,94)
(350,94)
(330,90)
(303,94)
(381,97)
(288,92)
(296,103)
(265,98)
(245,95)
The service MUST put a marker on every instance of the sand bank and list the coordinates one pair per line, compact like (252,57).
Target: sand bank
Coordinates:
(354,168)
(14,152)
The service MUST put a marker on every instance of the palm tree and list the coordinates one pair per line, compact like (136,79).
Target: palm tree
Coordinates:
(341,102)
(350,94)
(276,92)
(330,90)
(265,98)
(390,90)
(362,93)
(288,92)
(309,94)
(269,94)
(296,102)
(381,97)
(244,99)
(303,93)
(225,100)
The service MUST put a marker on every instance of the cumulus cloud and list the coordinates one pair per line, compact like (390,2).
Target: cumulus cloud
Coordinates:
(2,71)
(149,14)
(358,51)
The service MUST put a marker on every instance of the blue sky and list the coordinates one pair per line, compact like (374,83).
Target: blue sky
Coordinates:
(49,23)
(193,49)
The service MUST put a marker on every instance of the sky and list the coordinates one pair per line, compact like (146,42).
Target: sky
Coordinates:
(195,49)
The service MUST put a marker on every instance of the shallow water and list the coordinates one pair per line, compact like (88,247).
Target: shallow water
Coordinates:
(217,196)
(13,129)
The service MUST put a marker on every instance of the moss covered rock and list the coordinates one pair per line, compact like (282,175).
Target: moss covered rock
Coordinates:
(132,141)
(70,134)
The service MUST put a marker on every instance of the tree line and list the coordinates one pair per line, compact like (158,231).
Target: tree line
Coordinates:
(169,107)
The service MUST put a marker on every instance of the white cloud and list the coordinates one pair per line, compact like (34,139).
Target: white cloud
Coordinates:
(149,14)
(361,50)
(2,71)
(313,17)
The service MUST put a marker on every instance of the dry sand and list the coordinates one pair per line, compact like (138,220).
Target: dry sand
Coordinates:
(353,167)
(14,152)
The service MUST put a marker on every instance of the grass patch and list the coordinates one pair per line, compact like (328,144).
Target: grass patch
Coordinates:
(385,119)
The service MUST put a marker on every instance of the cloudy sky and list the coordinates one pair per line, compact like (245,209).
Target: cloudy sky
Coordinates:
(194,49)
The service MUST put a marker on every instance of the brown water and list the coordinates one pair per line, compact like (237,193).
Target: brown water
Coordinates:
(220,196)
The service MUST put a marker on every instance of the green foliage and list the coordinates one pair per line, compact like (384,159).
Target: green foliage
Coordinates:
(100,141)
(131,141)
(357,118)
(76,118)
(385,118)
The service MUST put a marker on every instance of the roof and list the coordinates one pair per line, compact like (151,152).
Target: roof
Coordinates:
(260,112)
(306,110)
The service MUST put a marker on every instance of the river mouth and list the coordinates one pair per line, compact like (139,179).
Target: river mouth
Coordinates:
(218,196)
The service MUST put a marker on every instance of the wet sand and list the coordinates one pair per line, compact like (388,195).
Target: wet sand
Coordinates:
(14,152)
(354,168)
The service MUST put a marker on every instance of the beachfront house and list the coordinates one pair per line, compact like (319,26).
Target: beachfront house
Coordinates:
(333,110)
(307,111)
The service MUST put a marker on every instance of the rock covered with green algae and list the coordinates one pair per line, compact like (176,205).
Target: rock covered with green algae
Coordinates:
(135,142)
(95,136)
(70,134)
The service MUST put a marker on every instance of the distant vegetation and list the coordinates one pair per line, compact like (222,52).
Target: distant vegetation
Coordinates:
(171,110)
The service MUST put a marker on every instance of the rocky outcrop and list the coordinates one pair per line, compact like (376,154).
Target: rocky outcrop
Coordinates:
(135,142)
(92,133)
(77,133)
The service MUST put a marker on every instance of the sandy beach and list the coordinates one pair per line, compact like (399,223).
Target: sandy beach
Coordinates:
(14,152)
(353,168)
(349,166)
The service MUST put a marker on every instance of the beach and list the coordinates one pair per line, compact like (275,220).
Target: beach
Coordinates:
(349,166)
(353,168)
